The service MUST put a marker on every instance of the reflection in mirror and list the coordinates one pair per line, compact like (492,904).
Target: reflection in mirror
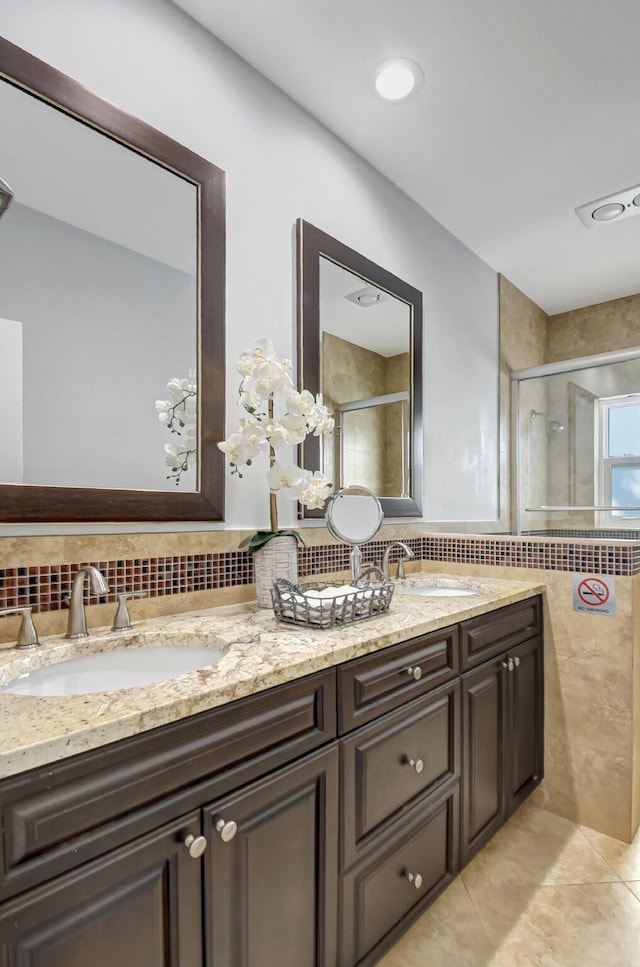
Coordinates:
(366,382)
(103,306)
(99,291)
(360,344)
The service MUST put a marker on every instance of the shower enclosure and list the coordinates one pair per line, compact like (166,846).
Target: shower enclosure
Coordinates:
(577,446)
(372,444)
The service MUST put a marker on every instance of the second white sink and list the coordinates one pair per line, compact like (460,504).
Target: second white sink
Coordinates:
(106,671)
(443,591)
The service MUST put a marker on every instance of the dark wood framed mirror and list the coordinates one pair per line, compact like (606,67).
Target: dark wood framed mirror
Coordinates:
(87,442)
(360,345)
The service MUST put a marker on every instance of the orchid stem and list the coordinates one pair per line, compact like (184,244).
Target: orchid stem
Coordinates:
(273,500)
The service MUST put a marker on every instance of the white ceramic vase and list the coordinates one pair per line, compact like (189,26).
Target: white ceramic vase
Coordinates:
(277,559)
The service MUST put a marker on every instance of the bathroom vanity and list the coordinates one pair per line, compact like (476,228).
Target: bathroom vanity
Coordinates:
(304,825)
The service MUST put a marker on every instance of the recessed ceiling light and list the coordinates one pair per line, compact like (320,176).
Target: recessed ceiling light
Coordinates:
(397,79)
(612,208)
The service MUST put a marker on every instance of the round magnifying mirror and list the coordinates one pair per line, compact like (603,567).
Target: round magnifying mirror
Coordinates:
(354,515)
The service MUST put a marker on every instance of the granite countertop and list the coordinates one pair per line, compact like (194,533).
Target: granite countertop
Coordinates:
(258,653)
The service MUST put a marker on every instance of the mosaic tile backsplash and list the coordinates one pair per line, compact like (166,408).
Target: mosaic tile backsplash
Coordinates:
(46,588)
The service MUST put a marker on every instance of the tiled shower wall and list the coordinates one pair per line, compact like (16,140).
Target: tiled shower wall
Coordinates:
(45,587)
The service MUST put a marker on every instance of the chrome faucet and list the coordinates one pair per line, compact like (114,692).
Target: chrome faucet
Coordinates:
(408,553)
(77,623)
(27,634)
(368,570)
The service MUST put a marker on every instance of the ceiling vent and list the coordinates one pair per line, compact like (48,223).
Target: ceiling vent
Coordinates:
(612,208)
(367,297)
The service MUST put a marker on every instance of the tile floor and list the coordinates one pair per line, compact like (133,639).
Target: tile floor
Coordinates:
(543,893)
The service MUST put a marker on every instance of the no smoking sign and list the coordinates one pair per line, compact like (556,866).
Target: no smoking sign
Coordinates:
(593,594)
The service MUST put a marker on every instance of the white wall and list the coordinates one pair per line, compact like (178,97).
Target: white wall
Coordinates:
(11,451)
(101,342)
(156,63)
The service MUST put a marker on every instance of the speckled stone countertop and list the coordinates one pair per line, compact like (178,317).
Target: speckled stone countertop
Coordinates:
(258,653)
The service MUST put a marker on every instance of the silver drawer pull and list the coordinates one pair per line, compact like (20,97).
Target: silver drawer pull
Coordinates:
(415,672)
(414,878)
(227,830)
(196,845)
(516,661)
(416,764)
(509,664)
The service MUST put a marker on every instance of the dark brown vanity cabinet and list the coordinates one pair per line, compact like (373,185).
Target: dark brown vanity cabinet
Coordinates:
(115,856)
(138,905)
(502,720)
(304,826)
(271,870)
(399,790)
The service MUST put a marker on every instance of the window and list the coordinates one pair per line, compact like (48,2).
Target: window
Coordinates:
(619,456)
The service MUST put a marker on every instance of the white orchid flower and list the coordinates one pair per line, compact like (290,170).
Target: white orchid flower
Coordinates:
(171,458)
(285,475)
(246,364)
(264,350)
(300,402)
(239,448)
(276,434)
(314,489)
(296,426)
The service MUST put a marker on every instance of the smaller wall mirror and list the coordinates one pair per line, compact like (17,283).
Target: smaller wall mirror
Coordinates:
(360,345)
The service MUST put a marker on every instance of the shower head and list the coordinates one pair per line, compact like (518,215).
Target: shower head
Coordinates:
(6,195)
(554,425)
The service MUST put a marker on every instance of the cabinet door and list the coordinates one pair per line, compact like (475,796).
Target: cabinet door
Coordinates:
(484,716)
(526,722)
(271,886)
(139,906)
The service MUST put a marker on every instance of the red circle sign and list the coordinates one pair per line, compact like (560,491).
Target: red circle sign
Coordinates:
(593,592)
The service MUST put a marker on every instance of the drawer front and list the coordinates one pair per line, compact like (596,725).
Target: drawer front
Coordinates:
(378,683)
(58,816)
(486,636)
(382,895)
(389,765)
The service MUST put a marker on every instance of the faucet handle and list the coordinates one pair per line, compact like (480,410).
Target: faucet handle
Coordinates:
(400,575)
(122,620)
(27,634)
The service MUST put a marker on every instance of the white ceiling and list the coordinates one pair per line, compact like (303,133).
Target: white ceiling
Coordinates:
(529,109)
(383,328)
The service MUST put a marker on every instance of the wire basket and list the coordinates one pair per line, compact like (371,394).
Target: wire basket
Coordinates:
(291,603)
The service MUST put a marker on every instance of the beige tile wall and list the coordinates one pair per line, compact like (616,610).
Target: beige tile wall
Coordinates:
(592,698)
(599,328)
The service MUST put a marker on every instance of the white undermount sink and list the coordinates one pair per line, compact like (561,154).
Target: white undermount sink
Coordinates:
(106,671)
(437,591)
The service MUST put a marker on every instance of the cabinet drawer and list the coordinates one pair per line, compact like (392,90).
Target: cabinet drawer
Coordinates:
(378,898)
(58,816)
(378,683)
(483,637)
(393,762)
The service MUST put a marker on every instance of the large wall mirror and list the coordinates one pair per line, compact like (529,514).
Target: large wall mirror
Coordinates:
(360,345)
(112,255)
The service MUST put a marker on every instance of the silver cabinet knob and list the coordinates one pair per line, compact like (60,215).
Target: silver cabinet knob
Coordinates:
(414,672)
(415,879)
(416,764)
(516,661)
(227,830)
(508,664)
(196,845)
